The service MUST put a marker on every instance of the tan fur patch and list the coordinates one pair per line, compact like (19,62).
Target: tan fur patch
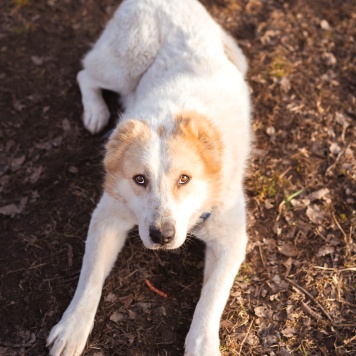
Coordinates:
(200,146)
(201,133)
(131,134)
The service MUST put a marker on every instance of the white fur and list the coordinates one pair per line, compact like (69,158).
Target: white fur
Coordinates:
(165,58)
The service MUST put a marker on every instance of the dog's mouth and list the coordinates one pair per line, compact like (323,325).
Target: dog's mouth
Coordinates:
(172,245)
(166,247)
(158,247)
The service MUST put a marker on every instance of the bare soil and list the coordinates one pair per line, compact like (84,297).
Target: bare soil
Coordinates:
(295,293)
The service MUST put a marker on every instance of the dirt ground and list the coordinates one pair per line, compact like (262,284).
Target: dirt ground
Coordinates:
(295,293)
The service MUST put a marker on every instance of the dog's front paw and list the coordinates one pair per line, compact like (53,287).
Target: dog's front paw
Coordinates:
(69,336)
(95,116)
(201,345)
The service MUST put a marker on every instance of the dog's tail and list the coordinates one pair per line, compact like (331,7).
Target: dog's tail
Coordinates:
(234,53)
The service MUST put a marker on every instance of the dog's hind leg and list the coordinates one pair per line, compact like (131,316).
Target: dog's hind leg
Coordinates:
(107,233)
(123,52)
(226,240)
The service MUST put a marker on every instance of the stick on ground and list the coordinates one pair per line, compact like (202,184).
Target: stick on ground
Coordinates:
(159,292)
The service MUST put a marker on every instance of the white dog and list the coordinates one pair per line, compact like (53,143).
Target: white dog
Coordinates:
(175,161)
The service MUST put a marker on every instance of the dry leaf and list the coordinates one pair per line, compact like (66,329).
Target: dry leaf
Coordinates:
(162,310)
(37,60)
(37,171)
(57,141)
(315,214)
(329,58)
(18,106)
(288,332)
(297,203)
(334,148)
(226,324)
(270,131)
(17,162)
(317,195)
(288,250)
(116,316)
(111,297)
(73,170)
(40,60)
(268,204)
(269,35)
(14,209)
(288,265)
(261,312)
(325,250)
(30,240)
(44,146)
(342,120)
(66,125)
(285,84)
(132,314)
(324,25)
(126,300)
(276,279)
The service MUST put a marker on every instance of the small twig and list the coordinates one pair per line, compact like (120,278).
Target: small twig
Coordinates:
(347,341)
(285,172)
(316,231)
(248,331)
(28,268)
(261,255)
(129,275)
(335,269)
(185,287)
(314,314)
(343,232)
(312,298)
(159,292)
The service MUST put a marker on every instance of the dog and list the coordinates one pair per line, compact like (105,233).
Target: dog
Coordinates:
(175,161)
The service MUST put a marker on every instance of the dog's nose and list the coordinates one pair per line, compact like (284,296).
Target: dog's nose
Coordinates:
(164,235)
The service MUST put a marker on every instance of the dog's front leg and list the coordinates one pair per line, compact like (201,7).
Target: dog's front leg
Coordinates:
(107,233)
(226,240)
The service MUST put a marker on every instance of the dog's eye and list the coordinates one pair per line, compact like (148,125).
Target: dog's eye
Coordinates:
(140,180)
(184,179)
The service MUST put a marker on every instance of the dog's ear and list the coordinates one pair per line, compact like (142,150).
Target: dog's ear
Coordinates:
(126,133)
(204,135)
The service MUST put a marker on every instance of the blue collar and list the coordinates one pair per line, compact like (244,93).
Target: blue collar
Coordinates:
(203,217)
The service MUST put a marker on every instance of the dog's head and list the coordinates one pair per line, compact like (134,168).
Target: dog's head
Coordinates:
(167,176)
